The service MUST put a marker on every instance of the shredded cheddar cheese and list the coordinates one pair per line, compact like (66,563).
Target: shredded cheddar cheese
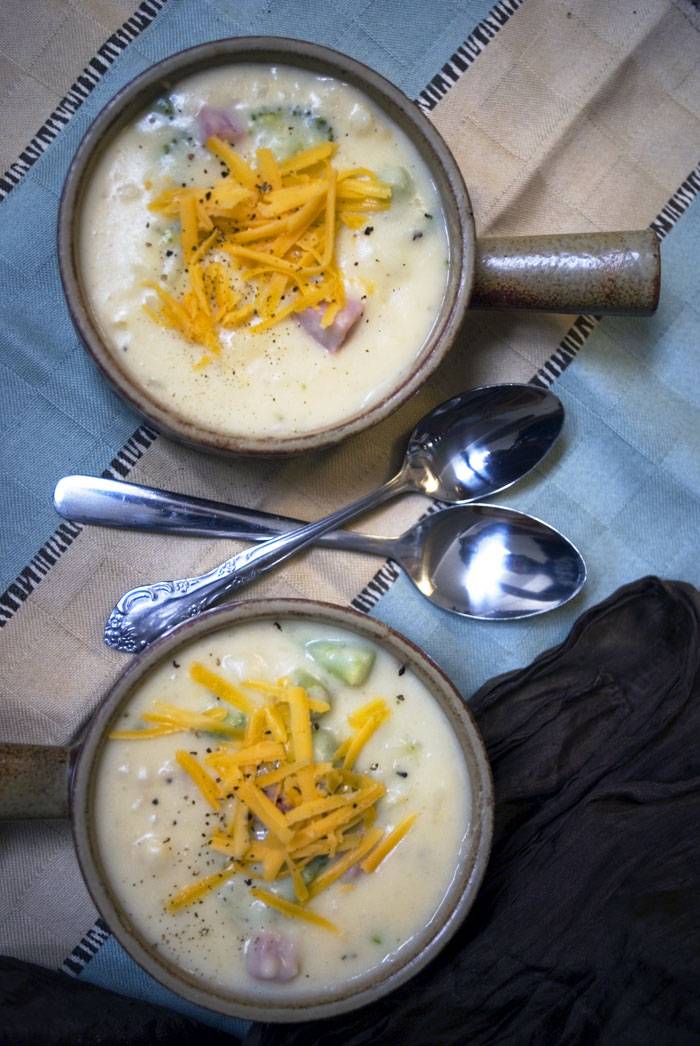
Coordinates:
(340,867)
(195,890)
(378,707)
(211,720)
(266,811)
(206,784)
(277,809)
(369,719)
(387,845)
(260,243)
(292,911)
(219,686)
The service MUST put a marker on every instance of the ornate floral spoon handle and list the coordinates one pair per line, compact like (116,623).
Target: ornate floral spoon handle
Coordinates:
(143,614)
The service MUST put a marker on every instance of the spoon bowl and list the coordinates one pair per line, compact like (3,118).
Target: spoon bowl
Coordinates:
(489,562)
(482,441)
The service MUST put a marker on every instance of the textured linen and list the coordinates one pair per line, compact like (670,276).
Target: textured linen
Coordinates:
(562,116)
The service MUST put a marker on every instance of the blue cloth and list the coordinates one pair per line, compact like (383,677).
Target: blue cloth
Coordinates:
(112,968)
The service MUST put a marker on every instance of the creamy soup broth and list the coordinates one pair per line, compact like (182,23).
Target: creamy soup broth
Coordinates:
(280,383)
(153,825)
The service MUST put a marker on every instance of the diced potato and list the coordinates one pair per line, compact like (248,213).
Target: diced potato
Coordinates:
(400,181)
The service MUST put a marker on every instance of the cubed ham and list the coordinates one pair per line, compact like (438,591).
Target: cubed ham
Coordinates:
(337,334)
(271,957)
(219,123)
(280,802)
(354,872)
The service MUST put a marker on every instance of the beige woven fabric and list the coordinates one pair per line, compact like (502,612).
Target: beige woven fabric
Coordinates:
(576,116)
(44,45)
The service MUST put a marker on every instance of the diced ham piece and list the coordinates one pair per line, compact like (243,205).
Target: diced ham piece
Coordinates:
(334,336)
(280,802)
(219,123)
(354,872)
(271,957)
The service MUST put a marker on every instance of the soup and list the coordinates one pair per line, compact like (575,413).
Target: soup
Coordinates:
(280,810)
(193,346)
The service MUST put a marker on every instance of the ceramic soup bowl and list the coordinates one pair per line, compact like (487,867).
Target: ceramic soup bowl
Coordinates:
(60,782)
(579,273)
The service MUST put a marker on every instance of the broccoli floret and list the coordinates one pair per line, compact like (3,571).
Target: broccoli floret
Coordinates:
(286,131)
(313,869)
(325,745)
(165,107)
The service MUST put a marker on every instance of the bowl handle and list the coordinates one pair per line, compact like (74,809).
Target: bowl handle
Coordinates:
(34,781)
(588,272)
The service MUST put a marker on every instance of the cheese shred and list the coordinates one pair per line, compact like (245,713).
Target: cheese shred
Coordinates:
(245,238)
(206,784)
(387,845)
(292,911)
(219,686)
(276,808)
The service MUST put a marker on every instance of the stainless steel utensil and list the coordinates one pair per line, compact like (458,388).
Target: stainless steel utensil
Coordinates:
(472,446)
(449,555)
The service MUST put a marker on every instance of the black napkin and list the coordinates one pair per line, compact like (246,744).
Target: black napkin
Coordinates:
(587,926)
(40,1007)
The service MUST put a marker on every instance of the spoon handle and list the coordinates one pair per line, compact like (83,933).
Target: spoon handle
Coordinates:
(113,503)
(145,613)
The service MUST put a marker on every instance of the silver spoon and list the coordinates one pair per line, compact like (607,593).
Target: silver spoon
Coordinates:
(469,447)
(449,555)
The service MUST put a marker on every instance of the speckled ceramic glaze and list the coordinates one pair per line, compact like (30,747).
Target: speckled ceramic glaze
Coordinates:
(598,272)
(35,784)
(618,272)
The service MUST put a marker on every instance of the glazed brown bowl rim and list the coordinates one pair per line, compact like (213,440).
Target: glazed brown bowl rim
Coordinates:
(469,869)
(452,191)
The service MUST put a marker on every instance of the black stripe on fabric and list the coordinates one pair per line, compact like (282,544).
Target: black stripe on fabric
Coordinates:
(132,451)
(375,588)
(467,53)
(78,92)
(97,935)
(86,949)
(19,590)
(567,350)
